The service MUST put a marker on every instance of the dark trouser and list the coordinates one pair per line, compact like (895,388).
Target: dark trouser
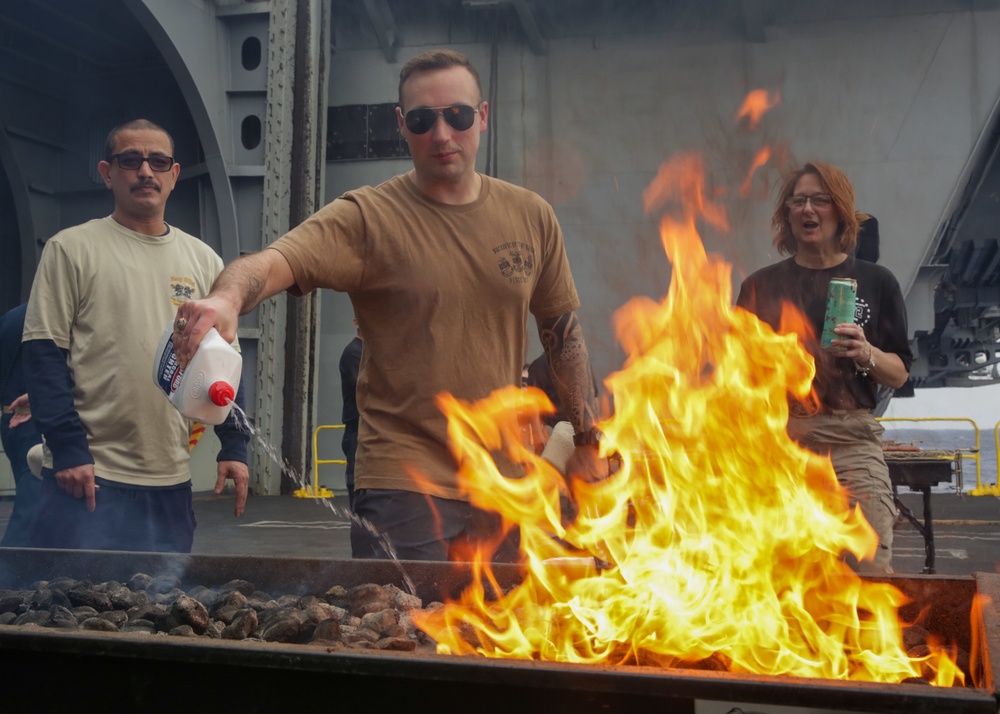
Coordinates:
(853,440)
(421,527)
(27,488)
(132,518)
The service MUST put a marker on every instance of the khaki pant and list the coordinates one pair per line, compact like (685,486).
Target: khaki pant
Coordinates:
(853,441)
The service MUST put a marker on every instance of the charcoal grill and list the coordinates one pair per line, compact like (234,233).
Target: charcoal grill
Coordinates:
(47,668)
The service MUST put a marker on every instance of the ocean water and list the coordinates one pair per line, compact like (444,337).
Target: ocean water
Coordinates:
(963,438)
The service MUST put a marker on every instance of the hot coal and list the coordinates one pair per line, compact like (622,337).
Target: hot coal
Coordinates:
(368,616)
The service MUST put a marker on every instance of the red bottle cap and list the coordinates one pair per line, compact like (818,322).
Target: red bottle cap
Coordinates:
(221,393)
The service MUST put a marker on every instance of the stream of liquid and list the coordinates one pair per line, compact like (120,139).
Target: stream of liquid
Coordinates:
(273,453)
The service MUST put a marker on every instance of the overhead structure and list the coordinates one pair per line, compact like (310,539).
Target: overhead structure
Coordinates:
(959,279)
(278,106)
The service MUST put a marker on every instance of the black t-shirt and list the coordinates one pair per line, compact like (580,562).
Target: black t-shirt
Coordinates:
(350,364)
(880,311)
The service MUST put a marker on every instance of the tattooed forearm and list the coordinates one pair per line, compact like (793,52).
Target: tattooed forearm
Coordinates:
(569,364)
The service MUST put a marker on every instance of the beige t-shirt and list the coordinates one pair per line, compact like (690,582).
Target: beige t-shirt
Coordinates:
(106,294)
(442,296)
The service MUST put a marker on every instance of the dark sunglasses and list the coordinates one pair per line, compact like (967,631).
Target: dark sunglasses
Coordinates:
(132,162)
(459,117)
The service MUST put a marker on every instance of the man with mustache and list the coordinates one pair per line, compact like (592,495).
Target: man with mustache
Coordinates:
(116,473)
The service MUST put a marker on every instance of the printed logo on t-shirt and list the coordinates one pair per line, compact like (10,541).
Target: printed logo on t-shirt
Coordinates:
(862,312)
(181,290)
(516,261)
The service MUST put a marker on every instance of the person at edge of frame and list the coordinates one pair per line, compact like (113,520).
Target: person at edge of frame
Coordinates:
(17,429)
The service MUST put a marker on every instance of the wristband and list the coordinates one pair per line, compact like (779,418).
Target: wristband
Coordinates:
(591,437)
(863,371)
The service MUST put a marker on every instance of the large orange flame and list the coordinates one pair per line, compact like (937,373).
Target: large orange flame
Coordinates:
(720,540)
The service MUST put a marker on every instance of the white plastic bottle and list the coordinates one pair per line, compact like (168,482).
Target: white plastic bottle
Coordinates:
(205,390)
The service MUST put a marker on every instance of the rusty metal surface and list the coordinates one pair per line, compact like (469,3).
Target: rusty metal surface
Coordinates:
(254,676)
(986,627)
(941,603)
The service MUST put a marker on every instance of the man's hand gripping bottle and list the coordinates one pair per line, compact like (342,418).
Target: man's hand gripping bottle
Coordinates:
(206,389)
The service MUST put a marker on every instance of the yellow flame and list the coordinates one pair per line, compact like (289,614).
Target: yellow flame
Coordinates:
(722,539)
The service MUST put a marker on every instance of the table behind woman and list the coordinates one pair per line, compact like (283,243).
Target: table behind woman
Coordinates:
(816,224)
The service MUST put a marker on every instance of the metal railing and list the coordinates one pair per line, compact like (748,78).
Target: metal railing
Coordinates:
(317,491)
(957,455)
(994,489)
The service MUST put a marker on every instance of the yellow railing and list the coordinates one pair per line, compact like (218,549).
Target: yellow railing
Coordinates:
(959,454)
(994,489)
(317,491)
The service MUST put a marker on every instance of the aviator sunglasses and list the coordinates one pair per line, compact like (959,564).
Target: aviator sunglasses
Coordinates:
(459,117)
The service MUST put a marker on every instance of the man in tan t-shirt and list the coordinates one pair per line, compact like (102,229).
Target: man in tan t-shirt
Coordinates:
(443,266)
(116,474)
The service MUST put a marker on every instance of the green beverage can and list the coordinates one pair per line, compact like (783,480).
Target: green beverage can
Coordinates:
(841,301)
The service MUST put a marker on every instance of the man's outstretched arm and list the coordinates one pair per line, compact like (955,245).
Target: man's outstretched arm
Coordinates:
(241,287)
